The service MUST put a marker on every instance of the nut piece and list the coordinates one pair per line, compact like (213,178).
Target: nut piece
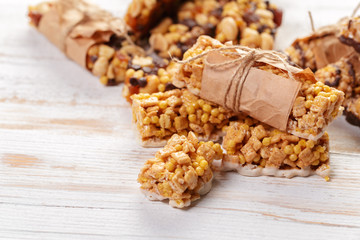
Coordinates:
(158,42)
(106,51)
(267,41)
(100,66)
(142,61)
(135,8)
(229,28)
(250,38)
(162,27)
(264,13)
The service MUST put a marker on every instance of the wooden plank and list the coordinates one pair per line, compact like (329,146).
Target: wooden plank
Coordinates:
(69,158)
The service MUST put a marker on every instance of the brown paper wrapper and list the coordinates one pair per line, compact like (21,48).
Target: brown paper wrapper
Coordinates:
(75,25)
(326,46)
(328,50)
(264,96)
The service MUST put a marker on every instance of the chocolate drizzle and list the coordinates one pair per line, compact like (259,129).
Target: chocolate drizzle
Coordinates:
(350,42)
(352,118)
(352,73)
(116,41)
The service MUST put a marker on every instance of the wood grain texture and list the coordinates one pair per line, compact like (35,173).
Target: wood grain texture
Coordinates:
(69,159)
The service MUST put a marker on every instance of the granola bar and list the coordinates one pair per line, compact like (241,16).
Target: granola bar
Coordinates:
(181,171)
(250,23)
(315,106)
(319,49)
(345,76)
(255,149)
(106,52)
(160,115)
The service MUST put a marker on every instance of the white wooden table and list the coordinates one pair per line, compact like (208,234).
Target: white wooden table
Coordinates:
(69,159)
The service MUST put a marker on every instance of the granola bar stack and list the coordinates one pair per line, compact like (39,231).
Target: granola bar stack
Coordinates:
(253,148)
(266,116)
(315,105)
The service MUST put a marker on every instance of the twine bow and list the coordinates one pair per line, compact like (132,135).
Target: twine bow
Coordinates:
(246,57)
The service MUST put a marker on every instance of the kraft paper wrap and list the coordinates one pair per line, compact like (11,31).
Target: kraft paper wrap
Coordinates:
(263,95)
(329,50)
(75,25)
(326,46)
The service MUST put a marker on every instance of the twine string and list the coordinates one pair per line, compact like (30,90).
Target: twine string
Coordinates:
(240,75)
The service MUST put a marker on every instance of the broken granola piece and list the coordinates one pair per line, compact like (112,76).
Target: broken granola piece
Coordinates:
(181,171)
(273,153)
(160,115)
(316,104)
